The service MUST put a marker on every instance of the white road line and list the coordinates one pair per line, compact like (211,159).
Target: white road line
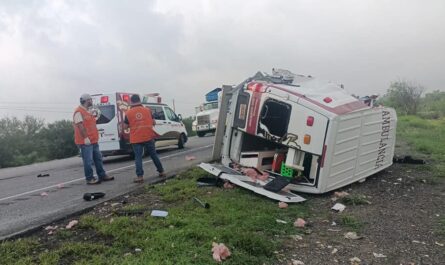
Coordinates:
(112,170)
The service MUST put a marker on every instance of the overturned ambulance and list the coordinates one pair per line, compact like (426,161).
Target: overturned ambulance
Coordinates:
(300,134)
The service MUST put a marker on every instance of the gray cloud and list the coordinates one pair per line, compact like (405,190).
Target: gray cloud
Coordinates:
(52,51)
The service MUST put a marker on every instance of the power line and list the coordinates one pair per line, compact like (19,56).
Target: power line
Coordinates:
(37,110)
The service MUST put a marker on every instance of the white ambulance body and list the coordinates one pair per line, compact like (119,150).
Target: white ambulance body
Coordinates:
(312,132)
(114,140)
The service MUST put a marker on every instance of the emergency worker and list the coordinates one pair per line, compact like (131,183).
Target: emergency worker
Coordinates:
(86,137)
(142,136)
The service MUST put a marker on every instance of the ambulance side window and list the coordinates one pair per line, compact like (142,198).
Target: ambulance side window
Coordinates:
(107,113)
(157,112)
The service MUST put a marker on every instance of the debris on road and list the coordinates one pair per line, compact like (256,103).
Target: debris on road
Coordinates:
(44,194)
(42,175)
(209,181)
(352,236)
(72,224)
(439,244)
(281,221)
(334,251)
(93,196)
(408,160)
(300,223)
(220,252)
(339,207)
(339,195)
(158,213)
(48,228)
(297,262)
(190,158)
(282,205)
(203,204)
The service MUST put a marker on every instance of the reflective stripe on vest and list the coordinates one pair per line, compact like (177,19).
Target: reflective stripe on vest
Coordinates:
(141,124)
(89,122)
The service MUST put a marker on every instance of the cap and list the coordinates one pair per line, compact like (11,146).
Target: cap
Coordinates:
(85,97)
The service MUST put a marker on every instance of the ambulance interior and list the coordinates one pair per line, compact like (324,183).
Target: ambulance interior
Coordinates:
(272,148)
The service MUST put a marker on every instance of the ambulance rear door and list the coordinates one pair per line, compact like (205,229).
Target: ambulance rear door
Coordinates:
(104,105)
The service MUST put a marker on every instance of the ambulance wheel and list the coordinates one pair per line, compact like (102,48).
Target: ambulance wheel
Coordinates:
(201,134)
(181,141)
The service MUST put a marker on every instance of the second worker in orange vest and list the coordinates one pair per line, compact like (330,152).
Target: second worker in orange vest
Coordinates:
(142,136)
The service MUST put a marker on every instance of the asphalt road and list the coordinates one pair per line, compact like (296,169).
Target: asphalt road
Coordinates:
(23,208)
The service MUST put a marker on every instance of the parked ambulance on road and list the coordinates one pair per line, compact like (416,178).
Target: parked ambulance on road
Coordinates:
(114,140)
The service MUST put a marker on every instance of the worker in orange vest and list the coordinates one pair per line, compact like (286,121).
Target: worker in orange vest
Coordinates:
(142,135)
(86,137)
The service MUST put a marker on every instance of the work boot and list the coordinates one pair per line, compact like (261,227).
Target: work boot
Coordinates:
(93,181)
(107,178)
(139,179)
(162,175)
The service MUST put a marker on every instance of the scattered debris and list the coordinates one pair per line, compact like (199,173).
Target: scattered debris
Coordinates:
(399,179)
(93,196)
(408,160)
(42,175)
(300,223)
(255,173)
(418,242)
(377,255)
(220,252)
(334,223)
(115,204)
(157,213)
(439,244)
(297,262)
(190,158)
(228,185)
(43,194)
(209,181)
(129,212)
(203,204)
(352,235)
(72,224)
(339,207)
(281,221)
(355,261)
(60,186)
(282,205)
(51,227)
(334,251)
(137,250)
(340,194)
(297,237)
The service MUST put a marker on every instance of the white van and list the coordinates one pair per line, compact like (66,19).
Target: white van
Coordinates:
(114,140)
(307,134)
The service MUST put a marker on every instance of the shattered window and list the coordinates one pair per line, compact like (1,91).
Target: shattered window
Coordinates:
(274,119)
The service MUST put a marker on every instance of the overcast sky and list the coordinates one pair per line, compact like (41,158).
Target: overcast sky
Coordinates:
(53,51)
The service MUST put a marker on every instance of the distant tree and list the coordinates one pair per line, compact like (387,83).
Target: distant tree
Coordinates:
(58,140)
(188,126)
(404,96)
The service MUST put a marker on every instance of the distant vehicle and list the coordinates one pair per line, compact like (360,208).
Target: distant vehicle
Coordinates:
(114,140)
(308,135)
(207,114)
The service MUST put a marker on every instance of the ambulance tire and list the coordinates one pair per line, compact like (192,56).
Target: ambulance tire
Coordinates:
(181,141)
(201,134)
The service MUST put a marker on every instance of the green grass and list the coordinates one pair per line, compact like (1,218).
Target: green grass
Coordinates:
(243,221)
(426,137)
(355,200)
(351,222)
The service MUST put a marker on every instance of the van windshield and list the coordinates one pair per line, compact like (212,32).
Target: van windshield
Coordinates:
(107,113)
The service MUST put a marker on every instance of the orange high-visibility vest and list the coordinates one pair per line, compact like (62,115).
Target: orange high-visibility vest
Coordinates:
(141,124)
(89,122)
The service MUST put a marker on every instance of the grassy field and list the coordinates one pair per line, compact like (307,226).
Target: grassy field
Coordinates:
(426,137)
(244,222)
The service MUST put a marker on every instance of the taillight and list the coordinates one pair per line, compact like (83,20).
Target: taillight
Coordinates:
(307,139)
(310,121)
(327,99)
(126,97)
(104,99)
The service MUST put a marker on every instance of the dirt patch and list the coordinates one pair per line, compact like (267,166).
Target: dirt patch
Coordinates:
(399,226)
